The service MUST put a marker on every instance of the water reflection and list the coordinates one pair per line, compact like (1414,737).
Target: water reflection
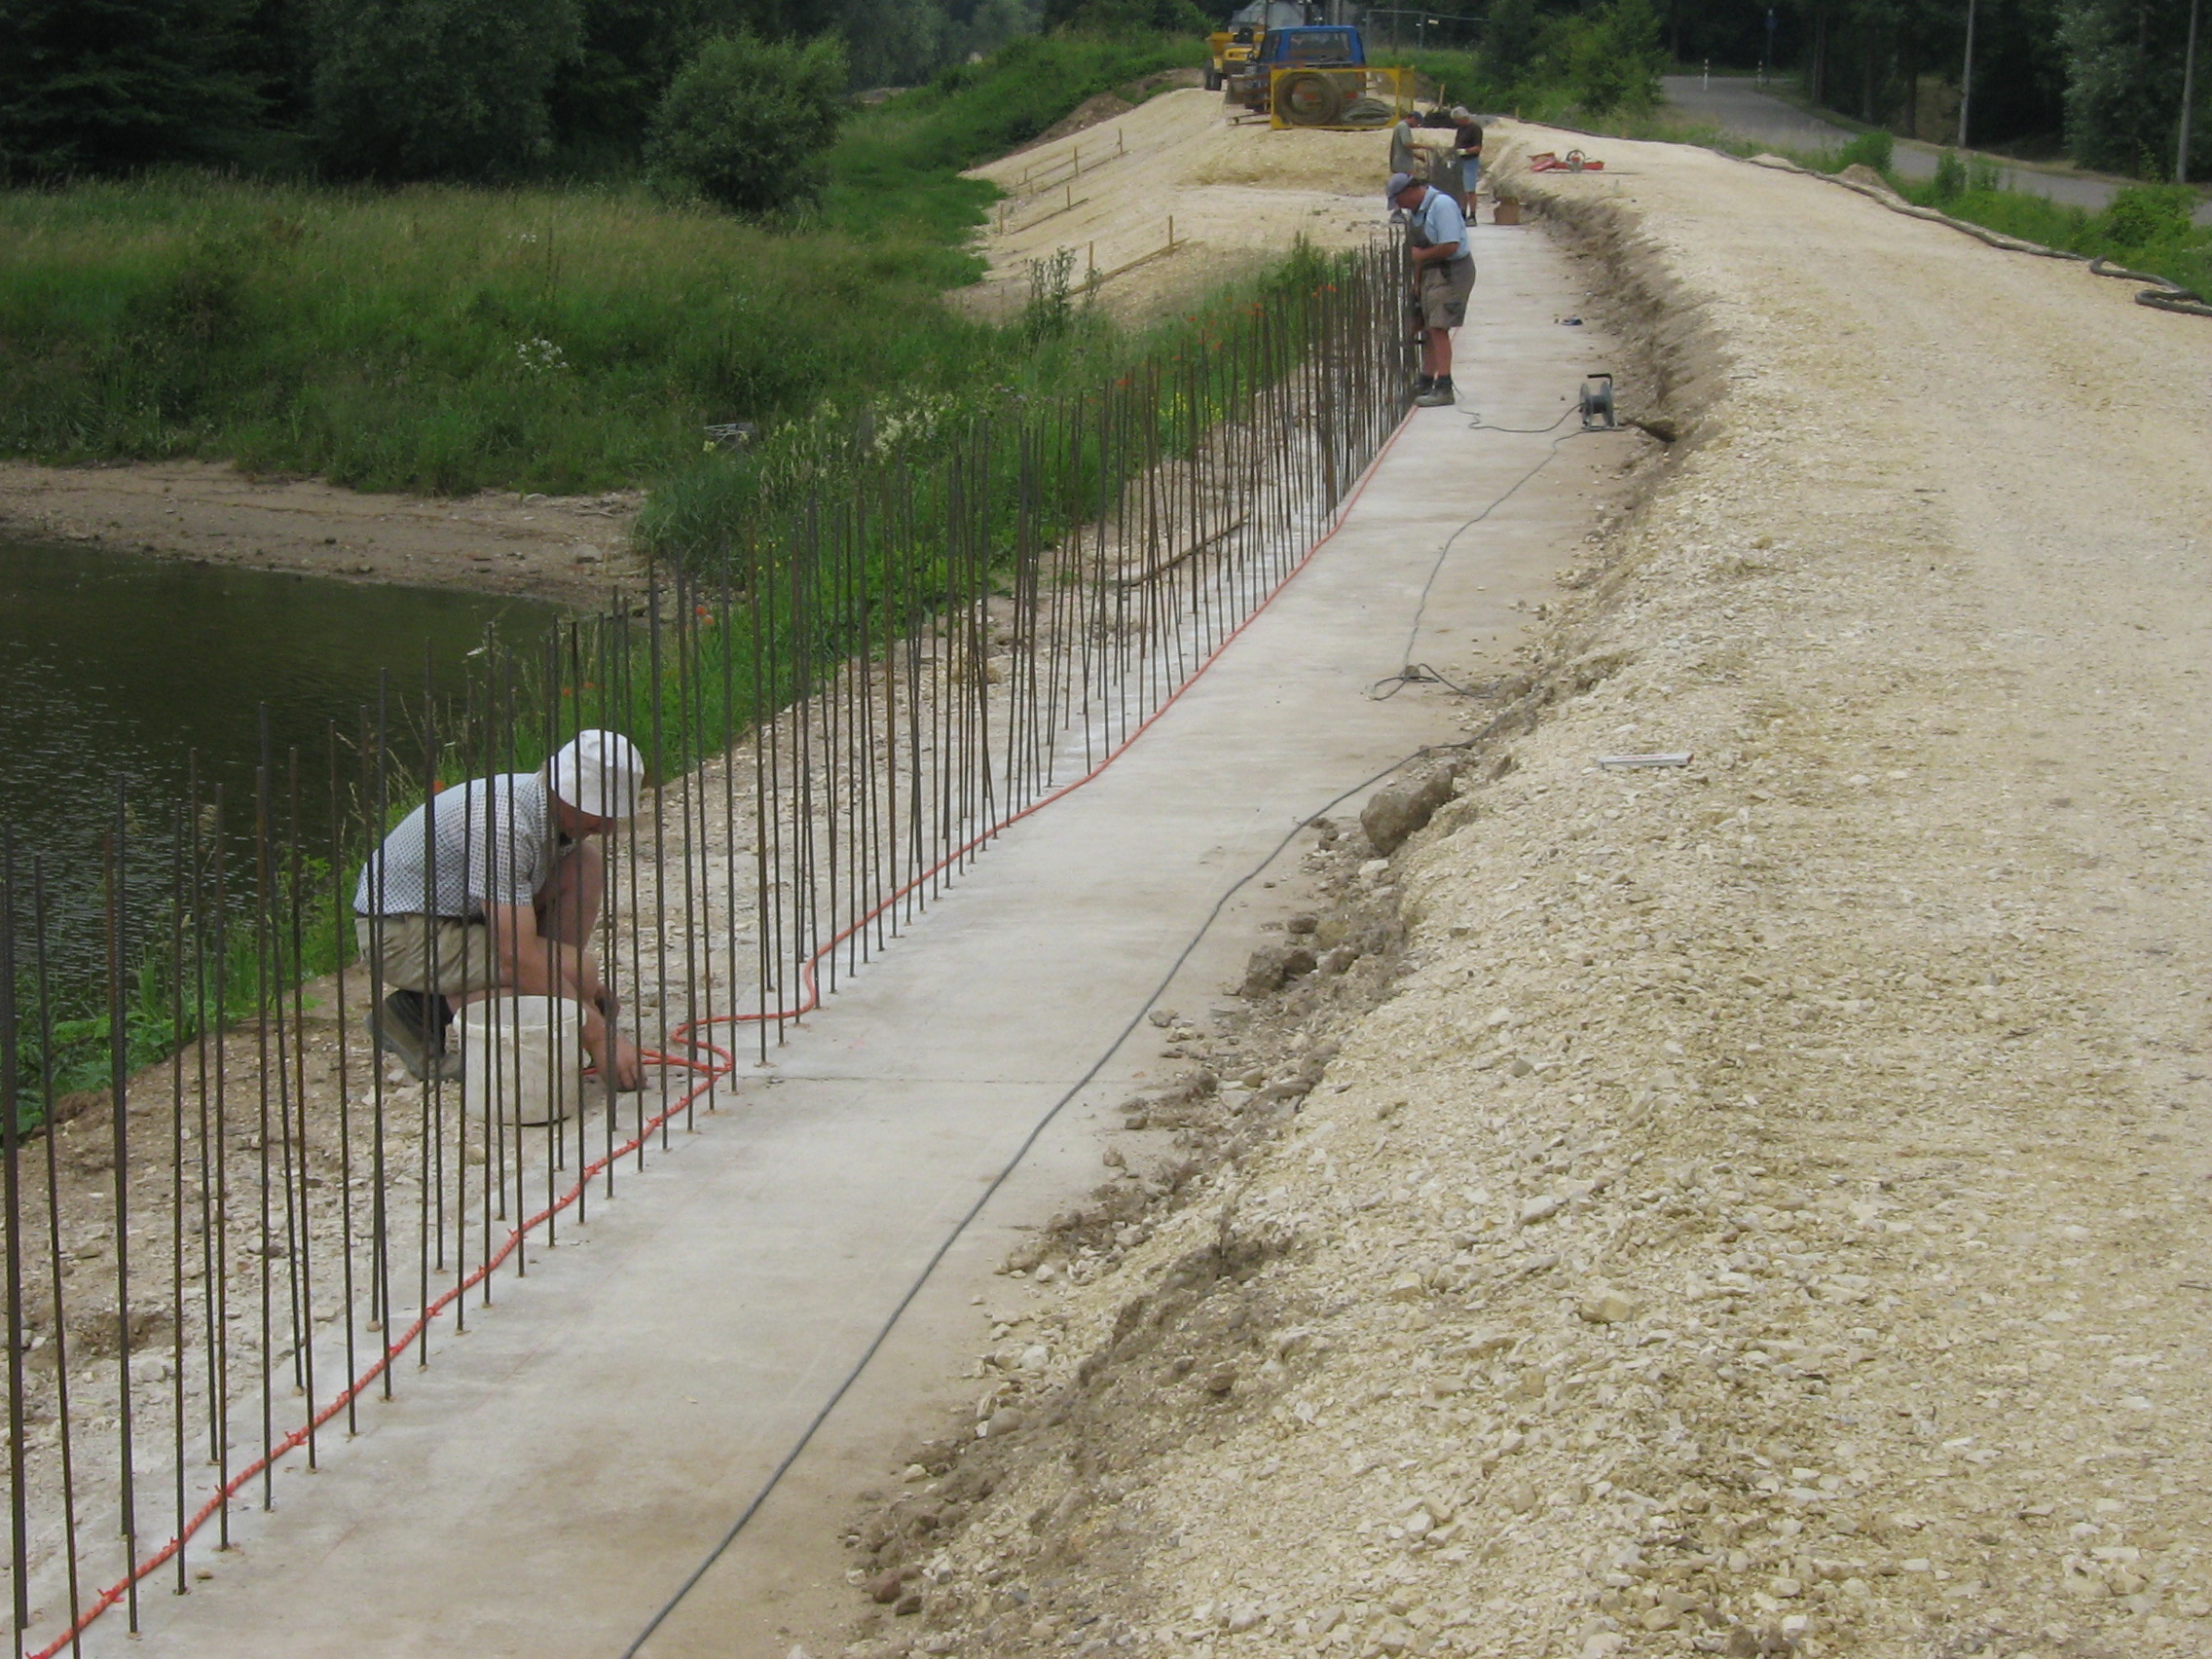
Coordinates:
(117,669)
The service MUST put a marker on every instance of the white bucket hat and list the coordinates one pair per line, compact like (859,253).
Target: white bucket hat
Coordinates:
(598,772)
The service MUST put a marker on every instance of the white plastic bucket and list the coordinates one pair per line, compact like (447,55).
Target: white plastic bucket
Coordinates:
(522,1056)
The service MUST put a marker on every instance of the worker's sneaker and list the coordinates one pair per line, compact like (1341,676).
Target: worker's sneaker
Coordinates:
(412,1024)
(1423,384)
(1439,396)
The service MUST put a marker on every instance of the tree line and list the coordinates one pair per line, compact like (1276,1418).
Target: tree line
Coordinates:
(2103,79)
(413,89)
(485,89)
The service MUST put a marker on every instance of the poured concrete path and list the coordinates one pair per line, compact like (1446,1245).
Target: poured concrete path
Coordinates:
(555,1473)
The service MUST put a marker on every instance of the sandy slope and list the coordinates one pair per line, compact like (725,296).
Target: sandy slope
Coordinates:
(1239,194)
(1768,1214)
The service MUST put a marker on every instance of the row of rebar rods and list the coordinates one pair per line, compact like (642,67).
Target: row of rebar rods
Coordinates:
(244,1218)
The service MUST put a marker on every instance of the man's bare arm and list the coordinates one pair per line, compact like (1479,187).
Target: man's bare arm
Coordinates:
(538,967)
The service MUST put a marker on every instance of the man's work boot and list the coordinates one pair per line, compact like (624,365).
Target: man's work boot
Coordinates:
(1423,384)
(1439,395)
(412,1024)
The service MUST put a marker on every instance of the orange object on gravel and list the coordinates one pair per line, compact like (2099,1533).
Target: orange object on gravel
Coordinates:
(1574,161)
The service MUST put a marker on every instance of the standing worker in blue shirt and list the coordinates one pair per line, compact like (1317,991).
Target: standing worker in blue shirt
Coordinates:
(1443,277)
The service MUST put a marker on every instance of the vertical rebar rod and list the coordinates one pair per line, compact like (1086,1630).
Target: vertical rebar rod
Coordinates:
(119,1081)
(376,758)
(339,942)
(657,762)
(218,1250)
(432,1097)
(64,1420)
(264,976)
(179,877)
(299,1240)
(11,1172)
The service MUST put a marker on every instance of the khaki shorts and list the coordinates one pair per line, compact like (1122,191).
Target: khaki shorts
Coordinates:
(1444,292)
(463,953)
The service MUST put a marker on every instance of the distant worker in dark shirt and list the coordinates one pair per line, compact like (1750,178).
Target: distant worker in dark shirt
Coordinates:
(1467,142)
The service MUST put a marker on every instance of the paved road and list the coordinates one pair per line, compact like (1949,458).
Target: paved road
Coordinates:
(1738,106)
(1740,109)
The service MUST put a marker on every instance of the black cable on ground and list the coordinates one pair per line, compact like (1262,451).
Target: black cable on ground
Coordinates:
(1413,675)
(1479,424)
(998,1180)
(1417,674)
(1420,674)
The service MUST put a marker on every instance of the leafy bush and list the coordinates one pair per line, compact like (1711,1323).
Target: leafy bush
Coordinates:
(2123,84)
(1051,311)
(1610,58)
(995,23)
(1950,180)
(1513,40)
(749,123)
(1876,149)
(2143,215)
(888,43)
(438,89)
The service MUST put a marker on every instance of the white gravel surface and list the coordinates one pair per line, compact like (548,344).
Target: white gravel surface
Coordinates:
(1767,1213)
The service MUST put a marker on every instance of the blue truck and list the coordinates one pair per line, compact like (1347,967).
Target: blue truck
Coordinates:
(1289,67)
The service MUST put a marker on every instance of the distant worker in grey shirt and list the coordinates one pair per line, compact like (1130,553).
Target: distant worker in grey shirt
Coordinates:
(496,886)
(1405,154)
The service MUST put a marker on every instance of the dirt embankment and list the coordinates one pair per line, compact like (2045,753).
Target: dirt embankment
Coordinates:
(1766,1214)
(1172,199)
(1105,106)
(568,548)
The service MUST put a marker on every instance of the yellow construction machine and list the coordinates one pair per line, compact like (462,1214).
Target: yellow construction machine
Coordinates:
(1227,50)
(1317,75)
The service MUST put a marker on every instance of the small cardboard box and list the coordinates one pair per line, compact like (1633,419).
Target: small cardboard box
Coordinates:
(1508,211)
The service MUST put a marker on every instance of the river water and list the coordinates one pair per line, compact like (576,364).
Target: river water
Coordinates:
(118,670)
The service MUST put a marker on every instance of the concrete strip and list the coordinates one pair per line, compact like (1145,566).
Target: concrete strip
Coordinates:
(545,1485)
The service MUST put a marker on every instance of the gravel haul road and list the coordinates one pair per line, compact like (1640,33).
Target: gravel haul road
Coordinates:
(1766,1214)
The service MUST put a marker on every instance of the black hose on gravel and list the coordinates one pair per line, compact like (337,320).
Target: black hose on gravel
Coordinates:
(2167,295)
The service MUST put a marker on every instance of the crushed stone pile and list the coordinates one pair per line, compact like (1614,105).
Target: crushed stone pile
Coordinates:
(1756,1207)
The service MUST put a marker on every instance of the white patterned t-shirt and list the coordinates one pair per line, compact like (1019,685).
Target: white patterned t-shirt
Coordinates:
(492,841)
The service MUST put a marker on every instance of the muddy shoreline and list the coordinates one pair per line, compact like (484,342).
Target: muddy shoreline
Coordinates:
(567,549)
